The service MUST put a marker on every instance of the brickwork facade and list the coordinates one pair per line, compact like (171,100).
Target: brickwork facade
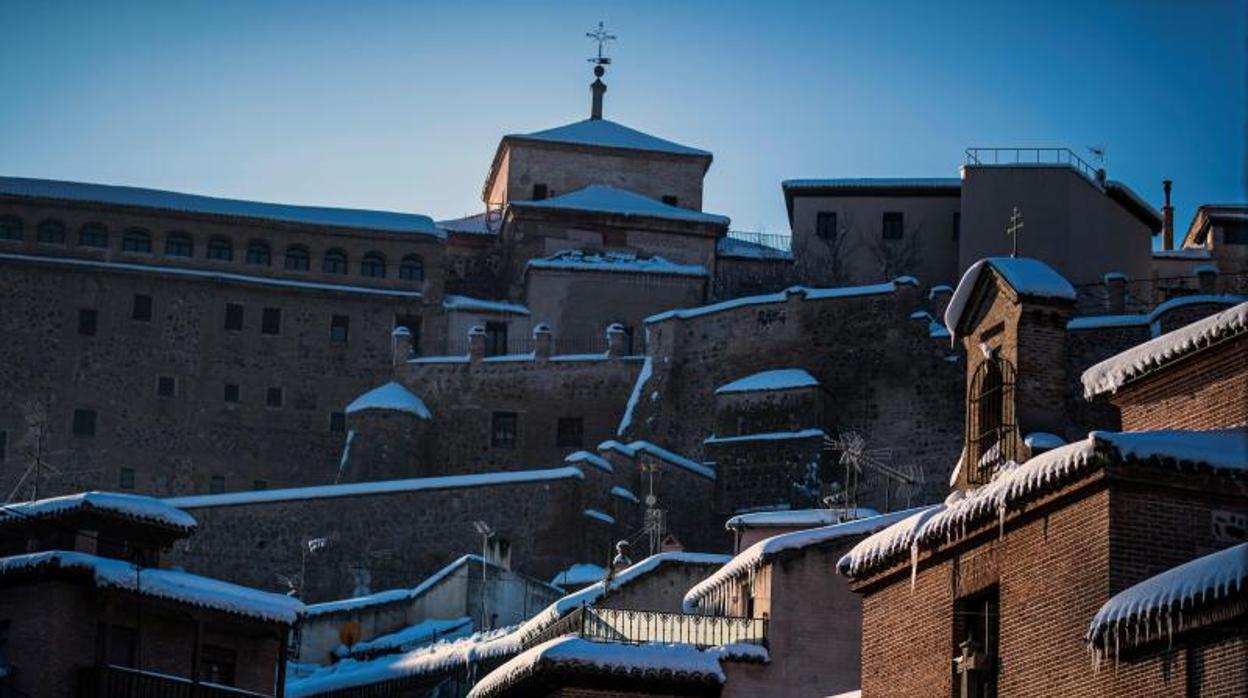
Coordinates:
(1206,390)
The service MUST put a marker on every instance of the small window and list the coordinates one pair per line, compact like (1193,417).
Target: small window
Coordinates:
(335,262)
(216,485)
(260,485)
(166,386)
(412,268)
(539,192)
(141,308)
(503,429)
(179,244)
(894,225)
(271,321)
(339,329)
(495,338)
(825,225)
(87,320)
(125,479)
(218,665)
(671,199)
(220,248)
(259,253)
(231,393)
(297,258)
(273,397)
(51,232)
(570,432)
(84,422)
(136,240)
(93,235)
(373,264)
(957,225)
(976,646)
(233,317)
(337,421)
(10,228)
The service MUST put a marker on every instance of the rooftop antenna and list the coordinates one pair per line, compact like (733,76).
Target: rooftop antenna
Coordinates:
(598,88)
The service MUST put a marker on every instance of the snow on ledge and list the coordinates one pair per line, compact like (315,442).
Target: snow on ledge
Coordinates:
(470,304)
(634,398)
(1155,606)
(600,516)
(625,494)
(127,506)
(766,436)
(1027,276)
(580,573)
(777,379)
(391,396)
(786,518)
(806,293)
(589,459)
(579,260)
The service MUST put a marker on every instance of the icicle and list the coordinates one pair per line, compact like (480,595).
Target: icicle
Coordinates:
(1169,630)
(1001,521)
(914,563)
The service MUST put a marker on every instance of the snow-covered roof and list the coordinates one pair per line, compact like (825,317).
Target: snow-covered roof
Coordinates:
(192,203)
(476,224)
(1111,374)
(413,636)
(738,248)
(623,262)
(1156,606)
(355,489)
(580,573)
(795,518)
(169,585)
(950,185)
(754,556)
(132,507)
(1027,276)
(608,134)
(805,292)
(391,396)
(467,303)
(589,459)
(777,379)
(601,198)
(767,436)
(1224,450)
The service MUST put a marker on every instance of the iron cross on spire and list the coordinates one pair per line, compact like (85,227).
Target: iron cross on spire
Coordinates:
(602,37)
(1015,228)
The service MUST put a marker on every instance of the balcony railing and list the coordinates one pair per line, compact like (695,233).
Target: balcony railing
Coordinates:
(778,244)
(636,627)
(122,682)
(1034,156)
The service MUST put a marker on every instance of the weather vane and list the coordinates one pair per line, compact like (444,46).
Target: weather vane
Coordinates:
(602,37)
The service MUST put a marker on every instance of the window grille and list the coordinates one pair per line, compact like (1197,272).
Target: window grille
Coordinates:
(991,427)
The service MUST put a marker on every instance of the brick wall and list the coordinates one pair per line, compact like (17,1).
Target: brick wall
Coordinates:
(1204,391)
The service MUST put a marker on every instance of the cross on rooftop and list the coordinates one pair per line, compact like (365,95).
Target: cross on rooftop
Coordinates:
(1015,228)
(601,36)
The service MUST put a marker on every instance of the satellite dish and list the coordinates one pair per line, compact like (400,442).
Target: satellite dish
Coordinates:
(651,500)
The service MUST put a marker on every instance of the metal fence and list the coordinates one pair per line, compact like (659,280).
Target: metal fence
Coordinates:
(1034,156)
(636,627)
(778,245)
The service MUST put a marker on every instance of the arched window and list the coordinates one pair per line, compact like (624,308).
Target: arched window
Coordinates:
(297,258)
(373,264)
(991,431)
(93,235)
(136,240)
(335,262)
(10,228)
(258,252)
(51,232)
(179,244)
(412,268)
(220,248)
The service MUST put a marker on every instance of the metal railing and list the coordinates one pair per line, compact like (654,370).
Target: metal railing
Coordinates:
(121,682)
(636,627)
(1029,156)
(779,245)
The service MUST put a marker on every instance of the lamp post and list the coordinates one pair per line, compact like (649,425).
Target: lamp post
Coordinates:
(486,533)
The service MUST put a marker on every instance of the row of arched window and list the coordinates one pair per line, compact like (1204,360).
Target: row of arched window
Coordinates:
(220,248)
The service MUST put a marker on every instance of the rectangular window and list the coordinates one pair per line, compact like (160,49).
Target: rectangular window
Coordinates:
(976,642)
(233,317)
(216,485)
(166,386)
(271,321)
(87,322)
(125,478)
(671,199)
(260,485)
(141,309)
(503,429)
(273,397)
(825,225)
(495,338)
(339,329)
(570,432)
(894,225)
(957,225)
(539,192)
(218,665)
(412,323)
(84,422)
(1235,234)
(231,392)
(337,421)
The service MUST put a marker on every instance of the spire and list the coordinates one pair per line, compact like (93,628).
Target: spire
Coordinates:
(598,88)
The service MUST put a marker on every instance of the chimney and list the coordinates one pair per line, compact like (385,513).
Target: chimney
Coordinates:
(401,343)
(1167,218)
(476,344)
(615,340)
(598,88)
(541,342)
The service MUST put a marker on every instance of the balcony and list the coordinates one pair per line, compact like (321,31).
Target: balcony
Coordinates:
(121,682)
(635,627)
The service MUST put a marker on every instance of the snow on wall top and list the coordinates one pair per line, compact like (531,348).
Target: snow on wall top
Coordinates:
(745,249)
(1111,374)
(1224,449)
(672,458)
(627,262)
(754,556)
(128,506)
(1153,318)
(608,134)
(391,396)
(590,459)
(180,587)
(601,198)
(778,379)
(580,573)
(468,303)
(805,292)
(647,370)
(1152,603)
(797,517)
(476,224)
(1028,277)
(407,639)
(354,489)
(937,183)
(192,203)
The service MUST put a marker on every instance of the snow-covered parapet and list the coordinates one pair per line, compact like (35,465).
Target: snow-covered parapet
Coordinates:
(797,518)
(627,262)
(634,397)
(1028,277)
(132,507)
(1111,374)
(169,585)
(767,436)
(672,458)
(1152,318)
(754,556)
(467,303)
(393,397)
(587,458)
(776,379)
(601,198)
(1156,607)
(804,292)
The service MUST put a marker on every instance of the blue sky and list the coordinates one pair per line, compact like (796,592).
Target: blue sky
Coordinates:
(400,105)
